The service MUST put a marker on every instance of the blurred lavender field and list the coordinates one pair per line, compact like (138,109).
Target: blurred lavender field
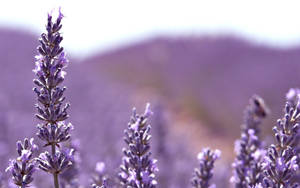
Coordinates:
(198,88)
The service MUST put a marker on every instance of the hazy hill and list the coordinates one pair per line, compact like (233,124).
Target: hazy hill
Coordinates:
(209,78)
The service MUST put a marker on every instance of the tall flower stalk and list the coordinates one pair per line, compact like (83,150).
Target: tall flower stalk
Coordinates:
(204,173)
(281,161)
(138,169)
(50,65)
(247,169)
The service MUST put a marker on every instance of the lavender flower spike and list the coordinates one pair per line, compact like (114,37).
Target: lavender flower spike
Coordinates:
(23,167)
(204,173)
(247,169)
(292,96)
(50,73)
(281,161)
(138,169)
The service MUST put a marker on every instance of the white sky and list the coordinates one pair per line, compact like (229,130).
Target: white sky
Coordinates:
(91,26)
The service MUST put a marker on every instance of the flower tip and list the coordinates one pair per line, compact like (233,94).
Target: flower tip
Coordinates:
(148,111)
(34,147)
(291,93)
(50,14)
(10,166)
(251,132)
(218,153)
(134,111)
(60,14)
(63,74)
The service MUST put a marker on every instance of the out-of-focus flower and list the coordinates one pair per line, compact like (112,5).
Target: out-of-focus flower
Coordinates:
(99,179)
(247,168)
(204,173)
(23,167)
(292,96)
(138,169)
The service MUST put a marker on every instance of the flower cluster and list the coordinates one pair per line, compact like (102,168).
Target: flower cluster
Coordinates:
(50,65)
(247,165)
(49,70)
(204,173)
(56,163)
(54,133)
(281,161)
(138,168)
(23,167)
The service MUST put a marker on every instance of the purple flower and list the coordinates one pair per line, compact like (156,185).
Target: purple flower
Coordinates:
(52,111)
(292,96)
(54,134)
(138,169)
(57,163)
(204,173)
(280,163)
(50,73)
(23,168)
(247,167)
(148,111)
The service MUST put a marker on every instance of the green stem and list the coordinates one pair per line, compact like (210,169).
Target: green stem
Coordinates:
(55,175)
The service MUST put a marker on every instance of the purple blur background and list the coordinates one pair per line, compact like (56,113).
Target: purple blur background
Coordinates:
(198,87)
